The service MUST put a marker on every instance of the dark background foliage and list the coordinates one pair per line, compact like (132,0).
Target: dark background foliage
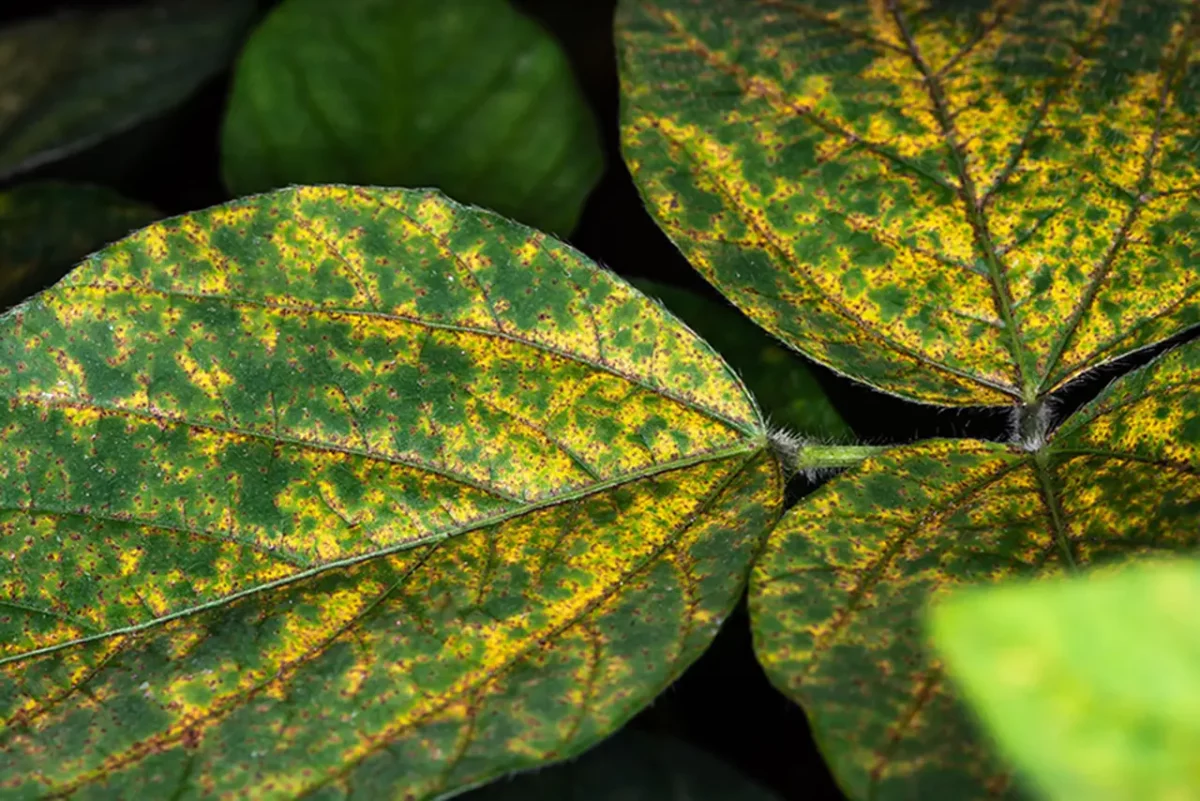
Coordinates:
(723,703)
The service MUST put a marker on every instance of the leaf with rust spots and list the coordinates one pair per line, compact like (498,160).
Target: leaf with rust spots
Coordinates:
(47,227)
(70,80)
(632,766)
(340,488)
(837,596)
(787,391)
(1090,685)
(959,204)
(469,96)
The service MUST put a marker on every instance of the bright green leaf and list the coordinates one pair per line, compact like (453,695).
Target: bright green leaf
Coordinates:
(633,766)
(46,228)
(836,598)
(959,203)
(468,96)
(342,490)
(784,388)
(1090,685)
(72,79)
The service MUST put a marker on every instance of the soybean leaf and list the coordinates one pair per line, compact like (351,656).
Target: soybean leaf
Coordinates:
(343,491)
(785,389)
(632,766)
(1090,685)
(46,228)
(469,96)
(72,79)
(836,598)
(955,203)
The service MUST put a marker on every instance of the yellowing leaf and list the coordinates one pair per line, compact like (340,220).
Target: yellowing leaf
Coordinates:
(1090,685)
(837,596)
(956,203)
(341,490)
(69,80)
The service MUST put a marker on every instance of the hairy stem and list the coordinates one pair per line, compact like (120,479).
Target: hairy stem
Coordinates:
(824,457)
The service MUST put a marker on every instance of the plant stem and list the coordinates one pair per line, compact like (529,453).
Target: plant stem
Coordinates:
(818,457)
(1043,468)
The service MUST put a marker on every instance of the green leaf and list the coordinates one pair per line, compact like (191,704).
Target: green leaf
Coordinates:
(69,80)
(632,766)
(469,96)
(1090,685)
(836,598)
(787,392)
(46,228)
(956,203)
(343,490)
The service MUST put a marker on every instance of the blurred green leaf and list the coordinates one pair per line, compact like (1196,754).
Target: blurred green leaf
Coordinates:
(631,766)
(70,80)
(46,228)
(780,382)
(1091,684)
(465,95)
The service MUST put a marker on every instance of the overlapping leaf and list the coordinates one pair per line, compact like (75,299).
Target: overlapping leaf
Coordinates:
(47,227)
(782,385)
(468,96)
(836,598)
(1091,685)
(69,80)
(633,766)
(957,203)
(348,491)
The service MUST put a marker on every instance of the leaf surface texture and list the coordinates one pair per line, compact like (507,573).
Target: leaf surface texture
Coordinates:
(960,204)
(353,493)
(836,599)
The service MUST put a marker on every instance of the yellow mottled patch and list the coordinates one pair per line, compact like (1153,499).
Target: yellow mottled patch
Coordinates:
(60,631)
(261,327)
(212,380)
(234,216)
(130,560)
(215,282)
(527,251)
(435,216)
(154,240)
(493,644)
(81,416)
(303,635)
(922,131)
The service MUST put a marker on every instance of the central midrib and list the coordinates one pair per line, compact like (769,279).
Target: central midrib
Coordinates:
(743,448)
(969,197)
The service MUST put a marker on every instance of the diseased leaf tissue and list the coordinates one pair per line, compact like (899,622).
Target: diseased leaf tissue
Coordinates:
(346,493)
(336,491)
(957,203)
